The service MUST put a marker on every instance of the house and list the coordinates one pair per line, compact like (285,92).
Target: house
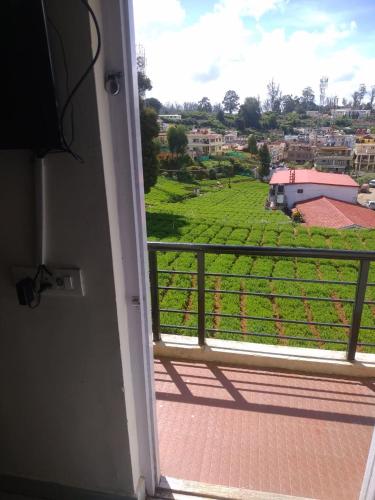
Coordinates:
(203,142)
(302,137)
(277,152)
(175,118)
(230,137)
(299,152)
(293,186)
(353,113)
(364,157)
(328,212)
(333,158)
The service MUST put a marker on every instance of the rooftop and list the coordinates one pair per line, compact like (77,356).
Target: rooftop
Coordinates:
(327,212)
(311,176)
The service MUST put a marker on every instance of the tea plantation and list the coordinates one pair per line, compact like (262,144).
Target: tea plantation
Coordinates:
(236,216)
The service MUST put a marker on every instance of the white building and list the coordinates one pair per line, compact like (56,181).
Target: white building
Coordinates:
(203,142)
(290,187)
(175,118)
(360,113)
(296,138)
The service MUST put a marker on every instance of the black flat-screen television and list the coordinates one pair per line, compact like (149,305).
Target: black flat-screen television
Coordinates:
(29,117)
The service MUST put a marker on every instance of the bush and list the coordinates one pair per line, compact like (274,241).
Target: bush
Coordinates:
(212,174)
(184,176)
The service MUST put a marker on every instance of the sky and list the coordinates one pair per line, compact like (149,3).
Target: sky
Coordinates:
(197,48)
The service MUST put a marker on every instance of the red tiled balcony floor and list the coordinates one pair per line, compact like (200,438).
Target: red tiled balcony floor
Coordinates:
(289,433)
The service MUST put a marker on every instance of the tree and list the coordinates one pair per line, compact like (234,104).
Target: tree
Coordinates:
(356,99)
(220,116)
(268,120)
(177,140)
(231,101)
(361,92)
(265,161)
(252,145)
(273,102)
(249,113)
(172,108)
(344,102)
(149,131)
(190,106)
(372,96)
(144,84)
(307,99)
(153,103)
(205,105)
(150,149)
(288,103)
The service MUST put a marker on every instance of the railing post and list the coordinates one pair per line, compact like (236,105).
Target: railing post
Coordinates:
(155,311)
(201,298)
(360,294)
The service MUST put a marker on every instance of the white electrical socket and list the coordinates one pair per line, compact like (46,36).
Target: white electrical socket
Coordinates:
(64,282)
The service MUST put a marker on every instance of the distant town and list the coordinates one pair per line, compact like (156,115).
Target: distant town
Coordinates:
(327,148)
(317,158)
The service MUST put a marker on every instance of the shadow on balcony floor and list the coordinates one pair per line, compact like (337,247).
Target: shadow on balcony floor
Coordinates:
(281,432)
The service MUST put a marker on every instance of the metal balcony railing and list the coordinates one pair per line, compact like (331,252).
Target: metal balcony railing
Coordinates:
(363,258)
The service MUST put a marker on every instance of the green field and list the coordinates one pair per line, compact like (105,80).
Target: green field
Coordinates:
(236,216)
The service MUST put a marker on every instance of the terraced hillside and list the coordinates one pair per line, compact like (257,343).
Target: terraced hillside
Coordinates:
(236,216)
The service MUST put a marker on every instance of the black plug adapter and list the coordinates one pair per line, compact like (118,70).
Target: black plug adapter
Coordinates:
(25,291)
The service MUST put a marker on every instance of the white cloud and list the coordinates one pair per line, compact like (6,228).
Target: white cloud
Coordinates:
(247,8)
(220,52)
(153,13)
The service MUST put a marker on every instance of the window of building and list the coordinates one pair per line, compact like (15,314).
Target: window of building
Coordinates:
(300,191)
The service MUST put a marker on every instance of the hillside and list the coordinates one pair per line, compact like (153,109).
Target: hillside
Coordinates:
(237,216)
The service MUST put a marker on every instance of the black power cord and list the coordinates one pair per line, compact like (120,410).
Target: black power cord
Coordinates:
(66,69)
(66,145)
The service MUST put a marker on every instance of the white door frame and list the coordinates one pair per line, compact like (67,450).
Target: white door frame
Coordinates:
(368,483)
(122,160)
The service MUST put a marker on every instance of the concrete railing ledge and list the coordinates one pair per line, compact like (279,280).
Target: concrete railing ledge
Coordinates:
(309,360)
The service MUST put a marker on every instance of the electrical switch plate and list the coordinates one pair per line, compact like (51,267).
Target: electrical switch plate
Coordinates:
(64,282)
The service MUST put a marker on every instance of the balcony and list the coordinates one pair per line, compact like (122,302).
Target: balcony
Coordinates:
(262,407)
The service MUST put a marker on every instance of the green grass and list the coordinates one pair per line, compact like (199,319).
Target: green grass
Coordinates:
(236,216)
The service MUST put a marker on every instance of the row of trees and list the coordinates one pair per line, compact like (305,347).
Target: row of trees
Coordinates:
(229,104)
(279,103)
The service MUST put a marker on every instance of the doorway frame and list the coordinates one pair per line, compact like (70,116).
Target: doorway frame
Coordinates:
(119,125)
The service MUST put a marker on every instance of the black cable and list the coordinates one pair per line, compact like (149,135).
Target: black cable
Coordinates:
(80,81)
(67,84)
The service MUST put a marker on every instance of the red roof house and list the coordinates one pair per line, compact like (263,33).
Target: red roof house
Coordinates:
(311,176)
(288,187)
(327,212)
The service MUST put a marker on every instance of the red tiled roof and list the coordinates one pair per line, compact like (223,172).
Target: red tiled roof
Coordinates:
(327,212)
(311,176)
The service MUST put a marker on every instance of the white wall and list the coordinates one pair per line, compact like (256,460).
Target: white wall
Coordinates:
(310,191)
(63,417)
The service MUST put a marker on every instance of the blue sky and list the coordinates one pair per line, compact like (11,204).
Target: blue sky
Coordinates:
(205,47)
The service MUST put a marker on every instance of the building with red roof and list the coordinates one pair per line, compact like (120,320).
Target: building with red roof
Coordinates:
(289,187)
(327,212)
